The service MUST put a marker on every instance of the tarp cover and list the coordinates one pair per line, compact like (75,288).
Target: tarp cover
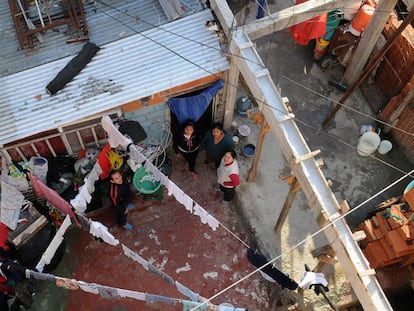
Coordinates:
(193,107)
(311,29)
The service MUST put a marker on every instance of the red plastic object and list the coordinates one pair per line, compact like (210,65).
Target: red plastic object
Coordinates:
(311,29)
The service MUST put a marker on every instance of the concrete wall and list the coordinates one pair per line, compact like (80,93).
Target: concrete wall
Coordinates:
(398,67)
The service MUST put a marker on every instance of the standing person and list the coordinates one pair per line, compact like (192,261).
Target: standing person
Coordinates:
(215,143)
(119,193)
(187,144)
(228,175)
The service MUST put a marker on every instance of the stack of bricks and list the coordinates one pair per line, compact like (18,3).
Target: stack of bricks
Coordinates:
(390,234)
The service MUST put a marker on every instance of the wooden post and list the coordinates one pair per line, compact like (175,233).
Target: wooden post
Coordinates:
(231,90)
(251,176)
(369,38)
(294,187)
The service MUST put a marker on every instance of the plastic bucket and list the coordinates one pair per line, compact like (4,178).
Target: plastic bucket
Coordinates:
(368,143)
(321,48)
(361,20)
(248,150)
(331,25)
(384,147)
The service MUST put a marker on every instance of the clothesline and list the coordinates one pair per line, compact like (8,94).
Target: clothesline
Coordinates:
(109,292)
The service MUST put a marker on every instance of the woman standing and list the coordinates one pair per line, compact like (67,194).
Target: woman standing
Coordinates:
(228,175)
(215,143)
(187,144)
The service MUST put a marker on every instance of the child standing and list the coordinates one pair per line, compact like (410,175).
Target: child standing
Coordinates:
(119,193)
(187,144)
(228,175)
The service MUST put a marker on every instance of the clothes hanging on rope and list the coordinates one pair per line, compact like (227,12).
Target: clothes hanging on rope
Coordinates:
(11,203)
(313,278)
(258,260)
(149,267)
(48,255)
(43,191)
(109,292)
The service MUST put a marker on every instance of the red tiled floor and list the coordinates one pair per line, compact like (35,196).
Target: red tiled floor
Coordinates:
(177,243)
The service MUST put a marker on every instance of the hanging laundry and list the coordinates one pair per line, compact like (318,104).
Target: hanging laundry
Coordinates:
(103,161)
(115,138)
(212,222)
(100,231)
(67,283)
(108,292)
(88,287)
(190,305)
(186,291)
(201,212)
(152,299)
(313,278)
(41,190)
(11,203)
(258,260)
(311,29)
(149,267)
(53,245)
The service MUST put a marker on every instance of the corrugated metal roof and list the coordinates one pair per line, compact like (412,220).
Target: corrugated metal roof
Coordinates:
(107,21)
(124,70)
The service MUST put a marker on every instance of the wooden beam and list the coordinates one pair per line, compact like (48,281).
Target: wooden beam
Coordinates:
(291,16)
(287,205)
(264,129)
(231,90)
(369,39)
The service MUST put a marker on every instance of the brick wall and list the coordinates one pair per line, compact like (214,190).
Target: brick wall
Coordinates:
(404,121)
(398,67)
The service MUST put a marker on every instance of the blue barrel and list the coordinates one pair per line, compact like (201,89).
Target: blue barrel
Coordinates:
(332,23)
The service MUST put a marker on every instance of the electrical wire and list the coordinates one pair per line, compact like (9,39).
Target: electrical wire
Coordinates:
(290,249)
(235,86)
(347,107)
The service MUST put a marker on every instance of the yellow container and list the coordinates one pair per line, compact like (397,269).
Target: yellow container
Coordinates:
(321,48)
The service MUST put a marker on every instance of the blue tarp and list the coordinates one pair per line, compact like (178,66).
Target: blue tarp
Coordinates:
(193,107)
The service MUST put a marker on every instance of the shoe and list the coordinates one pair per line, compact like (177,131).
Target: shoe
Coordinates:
(217,187)
(225,202)
(130,205)
(127,227)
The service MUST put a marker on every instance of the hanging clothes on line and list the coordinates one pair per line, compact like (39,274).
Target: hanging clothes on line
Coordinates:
(258,260)
(53,245)
(109,292)
(43,191)
(149,267)
(11,203)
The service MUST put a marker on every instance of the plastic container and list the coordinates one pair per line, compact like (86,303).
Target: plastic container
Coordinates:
(144,182)
(244,131)
(384,147)
(321,48)
(361,20)
(368,143)
(39,167)
(248,150)
(331,24)
(236,140)
(242,105)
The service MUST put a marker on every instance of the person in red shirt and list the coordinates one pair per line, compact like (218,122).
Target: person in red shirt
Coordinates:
(228,175)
